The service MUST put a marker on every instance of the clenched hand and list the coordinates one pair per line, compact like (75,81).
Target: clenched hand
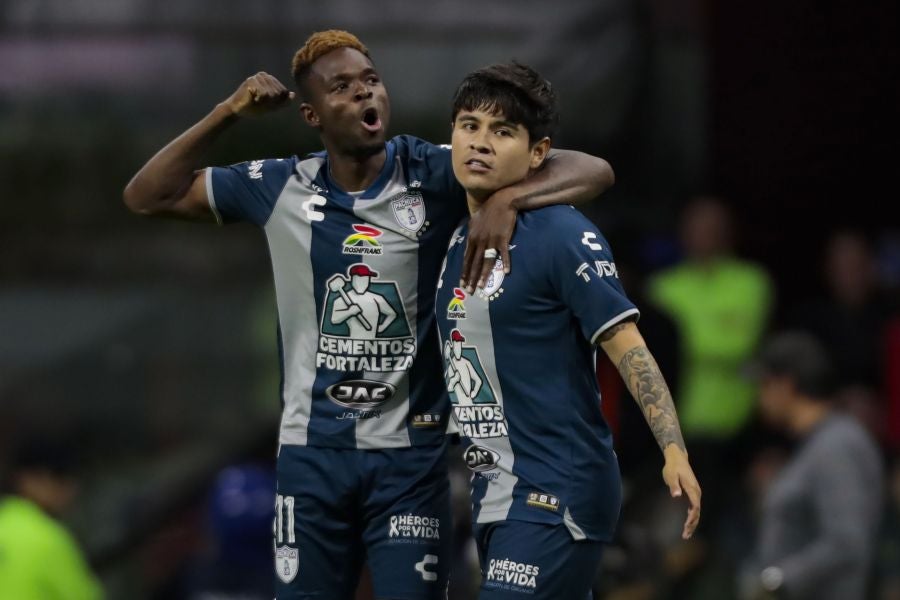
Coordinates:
(259,94)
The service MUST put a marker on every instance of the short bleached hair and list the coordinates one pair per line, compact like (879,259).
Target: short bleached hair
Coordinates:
(319,44)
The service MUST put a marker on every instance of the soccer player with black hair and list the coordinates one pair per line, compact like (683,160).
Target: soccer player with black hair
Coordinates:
(546,490)
(356,236)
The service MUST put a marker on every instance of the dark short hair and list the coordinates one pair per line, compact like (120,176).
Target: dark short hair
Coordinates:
(514,90)
(799,356)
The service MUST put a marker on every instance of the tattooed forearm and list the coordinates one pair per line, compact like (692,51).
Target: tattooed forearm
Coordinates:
(612,331)
(645,382)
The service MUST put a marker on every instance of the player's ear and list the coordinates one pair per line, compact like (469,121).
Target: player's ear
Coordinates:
(309,114)
(539,152)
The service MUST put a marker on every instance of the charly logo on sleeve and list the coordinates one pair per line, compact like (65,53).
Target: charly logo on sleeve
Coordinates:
(474,403)
(364,324)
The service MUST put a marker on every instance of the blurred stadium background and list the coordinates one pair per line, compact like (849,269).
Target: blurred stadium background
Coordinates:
(151,344)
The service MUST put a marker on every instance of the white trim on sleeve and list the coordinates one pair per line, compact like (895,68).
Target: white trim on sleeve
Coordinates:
(211,197)
(614,321)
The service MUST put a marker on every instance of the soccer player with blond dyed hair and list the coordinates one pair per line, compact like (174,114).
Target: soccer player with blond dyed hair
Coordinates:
(361,464)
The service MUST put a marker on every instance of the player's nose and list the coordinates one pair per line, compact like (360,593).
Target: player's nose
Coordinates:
(479,145)
(362,91)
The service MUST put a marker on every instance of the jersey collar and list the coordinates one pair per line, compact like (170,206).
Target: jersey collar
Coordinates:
(374,189)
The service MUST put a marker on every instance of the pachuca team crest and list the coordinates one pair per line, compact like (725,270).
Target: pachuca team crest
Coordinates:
(364,325)
(409,209)
(474,402)
(287,563)
(492,289)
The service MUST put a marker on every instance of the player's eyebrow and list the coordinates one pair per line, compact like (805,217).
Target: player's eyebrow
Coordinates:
(346,75)
(493,122)
(504,123)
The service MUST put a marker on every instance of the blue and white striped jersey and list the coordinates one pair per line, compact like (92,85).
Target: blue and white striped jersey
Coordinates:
(355,275)
(519,366)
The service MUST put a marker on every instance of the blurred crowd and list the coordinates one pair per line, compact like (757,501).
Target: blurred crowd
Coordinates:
(752,434)
(788,409)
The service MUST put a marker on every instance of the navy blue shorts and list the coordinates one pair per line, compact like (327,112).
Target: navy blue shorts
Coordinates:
(337,508)
(534,561)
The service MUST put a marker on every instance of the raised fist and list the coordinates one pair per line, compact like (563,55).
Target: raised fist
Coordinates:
(259,94)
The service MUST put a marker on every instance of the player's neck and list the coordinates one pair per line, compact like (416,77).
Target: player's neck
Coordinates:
(355,173)
(474,201)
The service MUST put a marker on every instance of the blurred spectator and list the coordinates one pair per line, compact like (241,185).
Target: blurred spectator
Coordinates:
(721,305)
(888,558)
(892,384)
(241,513)
(39,558)
(821,512)
(851,318)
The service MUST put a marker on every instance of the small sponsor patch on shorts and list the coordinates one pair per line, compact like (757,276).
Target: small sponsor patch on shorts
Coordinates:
(542,500)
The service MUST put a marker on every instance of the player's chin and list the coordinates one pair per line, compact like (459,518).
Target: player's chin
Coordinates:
(477,185)
(370,145)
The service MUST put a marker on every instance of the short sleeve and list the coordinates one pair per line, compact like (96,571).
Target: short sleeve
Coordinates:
(247,191)
(583,271)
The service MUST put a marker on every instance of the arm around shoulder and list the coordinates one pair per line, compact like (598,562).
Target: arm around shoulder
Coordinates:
(591,175)
(566,177)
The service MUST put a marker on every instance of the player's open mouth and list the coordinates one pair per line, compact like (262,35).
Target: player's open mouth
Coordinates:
(370,120)
(478,166)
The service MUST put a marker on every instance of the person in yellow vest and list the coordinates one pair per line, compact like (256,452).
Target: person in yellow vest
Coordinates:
(39,558)
(721,305)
